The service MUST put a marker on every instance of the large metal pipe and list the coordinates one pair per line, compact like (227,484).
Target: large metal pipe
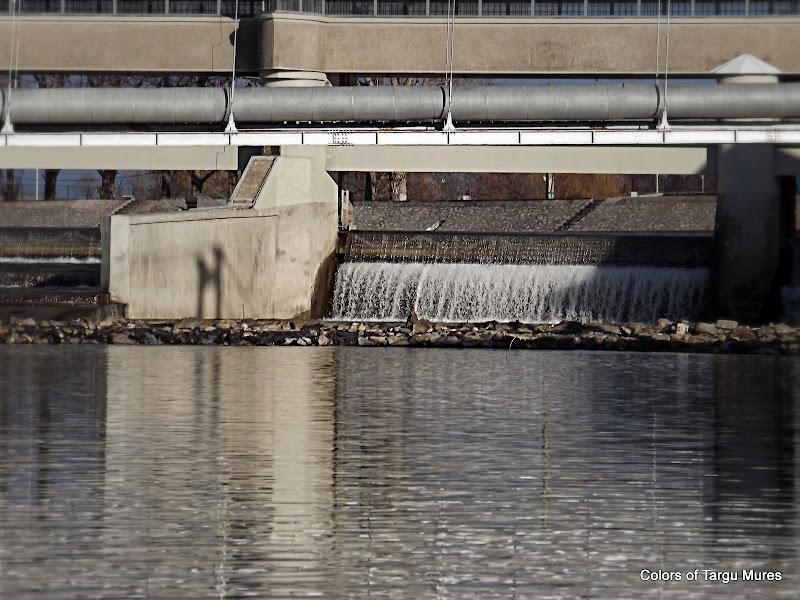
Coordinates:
(84,106)
(402,104)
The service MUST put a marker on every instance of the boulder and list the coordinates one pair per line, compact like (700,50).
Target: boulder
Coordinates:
(422,326)
(187,323)
(706,328)
(664,323)
(742,333)
(324,340)
(121,338)
(726,324)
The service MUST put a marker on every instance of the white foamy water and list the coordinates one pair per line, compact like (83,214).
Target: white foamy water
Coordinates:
(457,292)
(53,260)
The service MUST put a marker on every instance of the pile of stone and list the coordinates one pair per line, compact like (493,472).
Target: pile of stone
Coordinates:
(664,336)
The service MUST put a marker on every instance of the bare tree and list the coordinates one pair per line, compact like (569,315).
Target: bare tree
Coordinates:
(198,180)
(50,180)
(11,188)
(87,186)
(107,179)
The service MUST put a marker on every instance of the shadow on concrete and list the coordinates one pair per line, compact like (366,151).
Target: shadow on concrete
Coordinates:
(210,276)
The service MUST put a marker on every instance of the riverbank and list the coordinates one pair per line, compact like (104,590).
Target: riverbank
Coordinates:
(665,336)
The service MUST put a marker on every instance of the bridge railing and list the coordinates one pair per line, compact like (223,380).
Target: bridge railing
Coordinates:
(414,8)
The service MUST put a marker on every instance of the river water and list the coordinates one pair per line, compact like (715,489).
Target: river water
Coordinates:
(206,472)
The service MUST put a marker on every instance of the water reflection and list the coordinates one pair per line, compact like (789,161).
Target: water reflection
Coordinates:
(395,473)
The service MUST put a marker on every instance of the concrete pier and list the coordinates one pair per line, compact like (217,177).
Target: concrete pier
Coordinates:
(272,261)
(749,231)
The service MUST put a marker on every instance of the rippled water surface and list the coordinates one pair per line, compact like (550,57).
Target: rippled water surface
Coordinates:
(141,472)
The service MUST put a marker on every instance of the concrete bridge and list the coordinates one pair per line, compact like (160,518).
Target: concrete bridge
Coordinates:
(313,41)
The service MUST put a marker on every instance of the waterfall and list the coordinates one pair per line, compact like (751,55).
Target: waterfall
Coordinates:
(531,293)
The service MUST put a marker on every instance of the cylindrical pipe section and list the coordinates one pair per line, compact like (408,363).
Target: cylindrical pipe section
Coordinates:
(554,103)
(403,104)
(118,105)
(339,104)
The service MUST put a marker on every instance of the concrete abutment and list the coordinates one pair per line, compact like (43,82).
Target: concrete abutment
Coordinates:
(269,261)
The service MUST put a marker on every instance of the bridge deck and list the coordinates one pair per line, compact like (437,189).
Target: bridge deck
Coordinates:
(589,45)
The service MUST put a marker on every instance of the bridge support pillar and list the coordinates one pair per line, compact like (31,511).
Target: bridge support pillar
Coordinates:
(750,231)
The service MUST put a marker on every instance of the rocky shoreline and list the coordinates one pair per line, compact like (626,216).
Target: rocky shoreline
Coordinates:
(664,336)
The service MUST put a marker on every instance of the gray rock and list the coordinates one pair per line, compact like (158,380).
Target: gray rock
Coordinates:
(742,333)
(397,340)
(189,323)
(681,329)
(422,326)
(121,338)
(664,323)
(726,324)
(324,340)
(29,322)
(707,328)
(450,341)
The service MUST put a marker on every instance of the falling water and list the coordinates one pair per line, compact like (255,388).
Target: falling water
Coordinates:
(528,293)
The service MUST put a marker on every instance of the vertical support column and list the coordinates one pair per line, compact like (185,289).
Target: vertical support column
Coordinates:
(747,232)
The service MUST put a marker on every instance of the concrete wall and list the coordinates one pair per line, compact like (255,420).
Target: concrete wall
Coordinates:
(273,261)
(91,43)
(530,46)
(395,45)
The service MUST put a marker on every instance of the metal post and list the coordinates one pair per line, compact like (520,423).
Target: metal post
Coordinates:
(638,8)
(533,7)
(375,8)
(691,11)
(427,7)
(166,7)
(585,8)
(36,176)
(747,7)
(63,6)
(113,11)
(219,7)
(480,8)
